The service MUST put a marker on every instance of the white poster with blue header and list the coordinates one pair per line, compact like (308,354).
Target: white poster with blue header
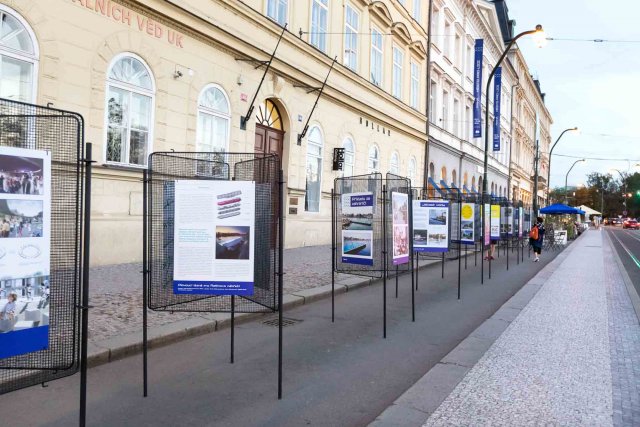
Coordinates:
(477,89)
(357,228)
(214,243)
(25,246)
(497,96)
(430,225)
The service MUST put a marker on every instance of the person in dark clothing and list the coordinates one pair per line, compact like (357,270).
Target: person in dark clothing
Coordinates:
(536,243)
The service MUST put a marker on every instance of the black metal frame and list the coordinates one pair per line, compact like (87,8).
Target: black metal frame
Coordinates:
(163,170)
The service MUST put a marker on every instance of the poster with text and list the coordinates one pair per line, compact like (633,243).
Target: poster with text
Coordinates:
(431,225)
(455,222)
(487,224)
(400,221)
(25,250)
(495,222)
(503,221)
(509,212)
(520,221)
(467,223)
(214,243)
(357,228)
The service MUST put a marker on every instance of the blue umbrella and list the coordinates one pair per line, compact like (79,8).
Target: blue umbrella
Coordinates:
(560,209)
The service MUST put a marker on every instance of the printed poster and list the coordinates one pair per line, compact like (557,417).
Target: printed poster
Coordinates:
(357,228)
(520,221)
(509,211)
(431,225)
(25,246)
(400,221)
(495,222)
(214,242)
(467,223)
(487,224)
(455,222)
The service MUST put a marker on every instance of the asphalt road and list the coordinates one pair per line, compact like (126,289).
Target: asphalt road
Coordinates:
(627,244)
(341,374)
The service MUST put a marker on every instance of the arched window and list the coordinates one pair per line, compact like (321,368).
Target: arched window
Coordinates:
(473,183)
(129,110)
(18,57)
(480,184)
(314,170)
(432,170)
(412,170)
(348,167)
(374,159)
(465,179)
(443,174)
(213,120)
(394,164)
(454,177)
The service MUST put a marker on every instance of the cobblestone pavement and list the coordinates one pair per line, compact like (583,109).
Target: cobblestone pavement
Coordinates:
(116,291)
(553,365)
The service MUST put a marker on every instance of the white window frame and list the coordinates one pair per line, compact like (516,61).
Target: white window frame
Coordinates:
(322,36)
(417,11)
(394,163)
(412,169)
(377,51)
(415,85)
(376,159)
(396,86)
(320,170)
(208,111)
(445,109)
(348,31)
(433,105)
(34,60)
(456,116)
(447,43)
(277,18)
(132,89)
(348,140)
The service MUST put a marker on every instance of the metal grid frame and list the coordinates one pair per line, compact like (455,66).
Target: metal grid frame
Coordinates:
(61,132)
(167,167)
(396,184)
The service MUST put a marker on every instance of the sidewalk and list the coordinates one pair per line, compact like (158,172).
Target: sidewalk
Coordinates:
(565,350)
(115,321)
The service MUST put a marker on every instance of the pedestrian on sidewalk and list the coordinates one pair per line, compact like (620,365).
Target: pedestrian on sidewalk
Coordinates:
(536,237)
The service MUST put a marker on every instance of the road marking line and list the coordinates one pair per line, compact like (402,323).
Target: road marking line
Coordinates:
(633,257)
(630,233)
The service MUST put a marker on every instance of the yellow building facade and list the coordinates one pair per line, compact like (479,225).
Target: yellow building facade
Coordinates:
(179,75)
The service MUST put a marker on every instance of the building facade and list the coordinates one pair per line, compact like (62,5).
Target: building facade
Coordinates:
(155,75)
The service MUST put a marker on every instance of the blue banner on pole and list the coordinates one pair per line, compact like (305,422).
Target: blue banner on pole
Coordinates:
(497,91)
(477,90)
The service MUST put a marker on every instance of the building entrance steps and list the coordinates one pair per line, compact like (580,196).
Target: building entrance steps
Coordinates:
(564,350)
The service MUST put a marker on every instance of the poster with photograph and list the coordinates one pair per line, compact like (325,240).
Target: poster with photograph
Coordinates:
(400,221)
(509,213)
(495,222)
(467,223)
(25,246)
(431,225)
(520,221)
(487,224)
(214,241)
(455,222)
(357,228)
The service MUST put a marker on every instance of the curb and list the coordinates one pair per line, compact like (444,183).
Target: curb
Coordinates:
(417,404)
(120,347)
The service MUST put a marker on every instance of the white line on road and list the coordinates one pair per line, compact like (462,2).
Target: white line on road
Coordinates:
(633,257)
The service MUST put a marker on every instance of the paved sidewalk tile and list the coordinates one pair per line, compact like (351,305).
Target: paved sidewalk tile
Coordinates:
(552,365)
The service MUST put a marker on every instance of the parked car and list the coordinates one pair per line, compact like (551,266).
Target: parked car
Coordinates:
(632,224)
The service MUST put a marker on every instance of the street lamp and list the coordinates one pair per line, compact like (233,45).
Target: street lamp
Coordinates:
(539,32)
(566,178)
(550,153)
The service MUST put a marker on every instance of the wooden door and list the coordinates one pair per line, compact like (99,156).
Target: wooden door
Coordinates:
(269,140)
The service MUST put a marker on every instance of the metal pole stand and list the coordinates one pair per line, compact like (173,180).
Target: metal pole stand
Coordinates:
(145,280)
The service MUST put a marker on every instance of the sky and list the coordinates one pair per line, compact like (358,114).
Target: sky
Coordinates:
(594,86)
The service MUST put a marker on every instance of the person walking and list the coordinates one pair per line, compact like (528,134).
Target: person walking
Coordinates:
(536,237)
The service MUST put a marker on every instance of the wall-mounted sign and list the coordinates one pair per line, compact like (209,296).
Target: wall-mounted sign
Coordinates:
(338,159)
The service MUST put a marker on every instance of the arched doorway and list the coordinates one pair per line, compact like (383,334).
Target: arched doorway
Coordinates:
(269,129)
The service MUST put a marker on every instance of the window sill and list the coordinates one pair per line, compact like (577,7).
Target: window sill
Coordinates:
(123,167)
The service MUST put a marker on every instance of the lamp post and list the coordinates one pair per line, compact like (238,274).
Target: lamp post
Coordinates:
(538,31)
(566,178)
(549,165)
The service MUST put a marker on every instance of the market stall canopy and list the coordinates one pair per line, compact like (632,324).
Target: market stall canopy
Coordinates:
(588,211)
(560,209)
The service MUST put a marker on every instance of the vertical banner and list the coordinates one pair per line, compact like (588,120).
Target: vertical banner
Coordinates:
(430,225)
(495,222)
(467,223)
(487,224)
(357,228)
(520,221)
(25,246)
(214,228)
(477,89)
(400,221)
(497,95)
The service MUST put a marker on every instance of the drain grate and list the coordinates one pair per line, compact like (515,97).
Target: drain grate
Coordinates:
(286,321)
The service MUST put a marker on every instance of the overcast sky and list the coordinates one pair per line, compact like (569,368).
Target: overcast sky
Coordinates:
(595,86)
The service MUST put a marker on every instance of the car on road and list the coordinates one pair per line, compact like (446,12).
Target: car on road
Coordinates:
(632,224)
